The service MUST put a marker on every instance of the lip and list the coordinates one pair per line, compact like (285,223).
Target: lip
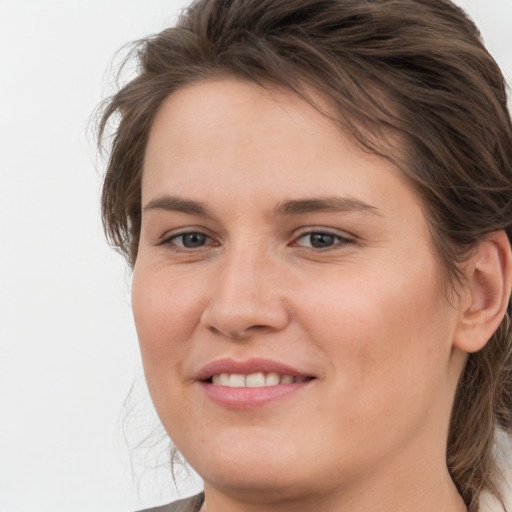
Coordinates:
(247,367)
(249,398)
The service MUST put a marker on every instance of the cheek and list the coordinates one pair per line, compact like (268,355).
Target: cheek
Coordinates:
(166,310)
(384,334)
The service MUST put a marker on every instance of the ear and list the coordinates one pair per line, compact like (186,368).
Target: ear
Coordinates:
(486,292)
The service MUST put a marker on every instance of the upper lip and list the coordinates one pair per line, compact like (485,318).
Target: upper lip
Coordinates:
(254,365)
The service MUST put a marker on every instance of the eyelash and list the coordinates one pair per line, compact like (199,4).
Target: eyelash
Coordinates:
(181,247)
(337,240)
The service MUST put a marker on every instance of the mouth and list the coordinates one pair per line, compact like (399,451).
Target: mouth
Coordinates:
(254,380)
(250,384)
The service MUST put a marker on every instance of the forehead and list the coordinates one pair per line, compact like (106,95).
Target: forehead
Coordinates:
(201,112)
(239,132)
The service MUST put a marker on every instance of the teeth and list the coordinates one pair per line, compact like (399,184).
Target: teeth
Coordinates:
(236,381)
(272,379)
(254,380)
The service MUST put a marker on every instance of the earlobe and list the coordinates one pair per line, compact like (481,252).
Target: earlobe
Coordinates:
(486,292)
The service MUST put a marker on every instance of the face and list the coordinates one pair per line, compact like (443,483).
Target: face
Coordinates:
(286,294)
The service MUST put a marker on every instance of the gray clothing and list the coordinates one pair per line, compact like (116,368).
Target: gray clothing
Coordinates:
(192,504)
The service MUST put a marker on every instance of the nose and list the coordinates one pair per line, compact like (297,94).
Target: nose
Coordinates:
(245,299)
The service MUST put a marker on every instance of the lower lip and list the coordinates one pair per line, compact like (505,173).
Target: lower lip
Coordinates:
(250,398)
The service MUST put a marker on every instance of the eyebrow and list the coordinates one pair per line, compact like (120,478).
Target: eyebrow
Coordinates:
(284,208)
(323,204)
(177,204)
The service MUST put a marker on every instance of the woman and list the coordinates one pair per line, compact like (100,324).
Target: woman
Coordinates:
(316,200)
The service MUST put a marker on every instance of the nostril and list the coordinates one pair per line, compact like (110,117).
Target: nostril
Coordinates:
(241,334)
(240,319)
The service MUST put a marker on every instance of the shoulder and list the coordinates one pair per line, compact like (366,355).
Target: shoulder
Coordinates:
(192,504)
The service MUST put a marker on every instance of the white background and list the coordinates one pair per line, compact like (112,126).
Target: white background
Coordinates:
(68,350)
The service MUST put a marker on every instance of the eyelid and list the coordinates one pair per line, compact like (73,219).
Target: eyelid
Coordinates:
(169,237)
(342,238)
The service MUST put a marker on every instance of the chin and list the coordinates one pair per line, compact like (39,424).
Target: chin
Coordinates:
(249,465)
(262,484)
(260,472)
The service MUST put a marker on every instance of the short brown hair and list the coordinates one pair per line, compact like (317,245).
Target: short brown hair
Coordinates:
(413,67)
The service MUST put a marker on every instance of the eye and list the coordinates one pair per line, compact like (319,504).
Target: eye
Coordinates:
(191,240)
(321,240)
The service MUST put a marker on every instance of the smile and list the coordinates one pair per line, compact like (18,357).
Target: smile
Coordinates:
(252,383)
(254,380)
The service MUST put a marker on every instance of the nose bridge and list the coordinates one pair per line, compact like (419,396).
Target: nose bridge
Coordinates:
(243,264)
(245,294)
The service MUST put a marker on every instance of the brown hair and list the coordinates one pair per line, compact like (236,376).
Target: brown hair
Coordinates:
(413,67)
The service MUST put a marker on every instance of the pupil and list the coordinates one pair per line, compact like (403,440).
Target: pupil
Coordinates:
(194,239)
(320,240)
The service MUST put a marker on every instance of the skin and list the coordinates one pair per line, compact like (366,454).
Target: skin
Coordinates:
(366,315)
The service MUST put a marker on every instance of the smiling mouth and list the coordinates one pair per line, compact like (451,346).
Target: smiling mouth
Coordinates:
(253,390)
(252,383)
(254,380)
